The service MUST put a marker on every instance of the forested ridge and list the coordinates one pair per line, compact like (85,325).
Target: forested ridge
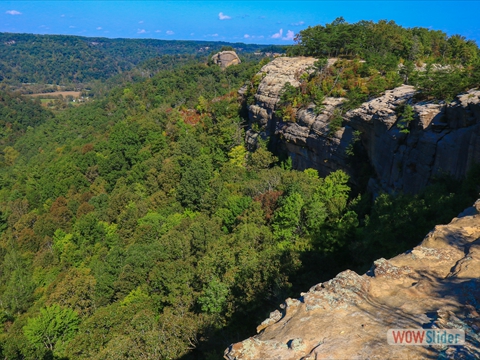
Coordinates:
(138,225)
(373,57)
(66,59)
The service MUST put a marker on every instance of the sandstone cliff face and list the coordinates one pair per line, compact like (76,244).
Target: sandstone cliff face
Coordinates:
(226,58)
(434,286)
(308,141)
(443,138)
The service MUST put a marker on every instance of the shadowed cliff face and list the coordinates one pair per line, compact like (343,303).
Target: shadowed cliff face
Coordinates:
(433,286)
(442,138)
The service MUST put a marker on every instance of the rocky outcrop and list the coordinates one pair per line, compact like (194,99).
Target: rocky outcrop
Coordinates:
(434,286)
(442,139)
(309,141)
(312,144)
(276,74)
(226,58)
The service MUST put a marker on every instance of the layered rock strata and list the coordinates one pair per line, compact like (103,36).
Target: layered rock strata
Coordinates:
(434,286)
(442,139)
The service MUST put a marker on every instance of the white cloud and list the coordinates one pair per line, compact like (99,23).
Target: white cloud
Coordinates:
(214,35)
(140,22)
(13,12)
(72,27)
(170,32)
(278,35)
(261,37)
(222,16)
(290,35)
(300,23)
(246,36)
(191,34)
(141,31)
(158,31)
(63,15)
(99,28)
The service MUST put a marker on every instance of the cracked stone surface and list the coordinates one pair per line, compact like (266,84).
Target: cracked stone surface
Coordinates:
(435,285)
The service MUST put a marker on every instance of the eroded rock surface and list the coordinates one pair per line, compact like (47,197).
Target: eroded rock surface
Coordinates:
(226,58)
(434,286)
(442,139)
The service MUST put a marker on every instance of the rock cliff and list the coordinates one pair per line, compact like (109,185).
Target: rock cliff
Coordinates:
(444,138)
(226,58)
(434,286)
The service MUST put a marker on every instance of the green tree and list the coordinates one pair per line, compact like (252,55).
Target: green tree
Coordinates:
(237,156)
(286,220)
(407,117)
(52,329)
(18,284)
(214,297)
(194,182)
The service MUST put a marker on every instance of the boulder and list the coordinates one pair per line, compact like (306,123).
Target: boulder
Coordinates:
(226,58)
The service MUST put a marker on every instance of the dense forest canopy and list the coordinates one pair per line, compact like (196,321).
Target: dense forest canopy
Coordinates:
(63,59)
(138,225)
(387,39)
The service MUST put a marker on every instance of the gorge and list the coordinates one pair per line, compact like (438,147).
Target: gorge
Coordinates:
(204,183)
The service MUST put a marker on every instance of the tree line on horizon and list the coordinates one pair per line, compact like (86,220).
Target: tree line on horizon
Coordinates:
(68,59)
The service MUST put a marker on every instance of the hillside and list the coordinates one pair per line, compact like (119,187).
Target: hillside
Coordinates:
(62,59)
(356,113)
(407,141)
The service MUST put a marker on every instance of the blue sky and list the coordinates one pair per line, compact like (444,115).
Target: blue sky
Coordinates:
(263,22)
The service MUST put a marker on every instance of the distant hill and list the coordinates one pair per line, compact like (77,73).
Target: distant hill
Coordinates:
(61,59)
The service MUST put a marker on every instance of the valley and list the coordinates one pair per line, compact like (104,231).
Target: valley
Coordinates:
(171,213)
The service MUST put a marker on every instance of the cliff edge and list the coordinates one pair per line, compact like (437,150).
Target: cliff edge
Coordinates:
(434,286)
(443,138)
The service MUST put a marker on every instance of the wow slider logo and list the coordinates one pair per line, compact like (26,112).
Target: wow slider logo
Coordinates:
(426,337)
